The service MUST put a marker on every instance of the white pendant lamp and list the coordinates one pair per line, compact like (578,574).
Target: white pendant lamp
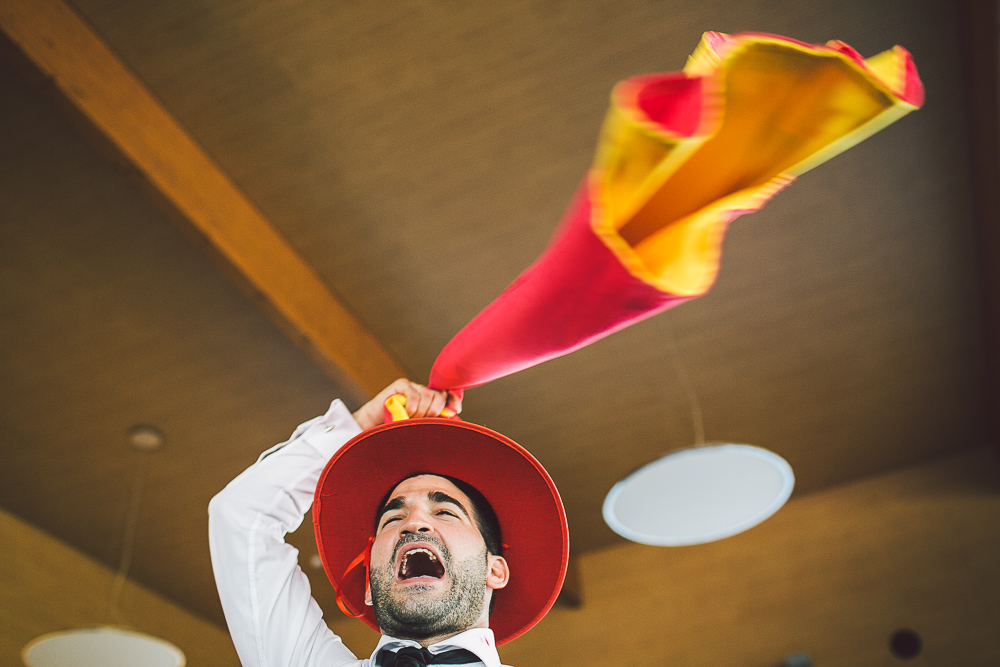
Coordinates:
(699,495)
(104,646)
(110,645)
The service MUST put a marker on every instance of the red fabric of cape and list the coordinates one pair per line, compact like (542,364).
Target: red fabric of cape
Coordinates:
(577,292)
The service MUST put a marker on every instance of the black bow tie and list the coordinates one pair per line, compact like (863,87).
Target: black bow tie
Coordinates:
(421,657)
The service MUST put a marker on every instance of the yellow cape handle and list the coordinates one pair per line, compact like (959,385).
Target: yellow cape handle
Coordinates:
(395,409)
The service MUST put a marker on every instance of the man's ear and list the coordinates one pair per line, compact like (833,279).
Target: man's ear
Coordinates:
(498,574)
(368,594)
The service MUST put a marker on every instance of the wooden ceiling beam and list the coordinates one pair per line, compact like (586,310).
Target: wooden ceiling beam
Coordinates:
(136,130)
(978,20)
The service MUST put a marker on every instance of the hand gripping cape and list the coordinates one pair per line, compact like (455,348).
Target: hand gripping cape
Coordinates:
(680,156)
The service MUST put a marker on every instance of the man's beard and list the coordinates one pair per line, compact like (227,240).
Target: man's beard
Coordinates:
(415,615)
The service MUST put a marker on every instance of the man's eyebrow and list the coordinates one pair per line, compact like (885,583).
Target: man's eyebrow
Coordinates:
(394,504)
(442,497)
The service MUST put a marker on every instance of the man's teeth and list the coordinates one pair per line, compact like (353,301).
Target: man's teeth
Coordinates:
(405,569)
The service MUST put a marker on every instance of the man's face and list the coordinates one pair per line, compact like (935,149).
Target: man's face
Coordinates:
(431,575)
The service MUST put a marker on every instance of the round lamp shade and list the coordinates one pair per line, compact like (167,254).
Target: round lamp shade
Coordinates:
(699,495)
(101,647)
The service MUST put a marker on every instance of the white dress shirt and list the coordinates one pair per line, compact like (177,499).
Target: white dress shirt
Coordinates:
(272,617)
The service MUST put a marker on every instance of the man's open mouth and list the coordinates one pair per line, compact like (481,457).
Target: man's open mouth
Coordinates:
(420,562)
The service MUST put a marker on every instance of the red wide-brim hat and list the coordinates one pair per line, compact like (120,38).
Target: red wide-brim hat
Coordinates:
(527,504)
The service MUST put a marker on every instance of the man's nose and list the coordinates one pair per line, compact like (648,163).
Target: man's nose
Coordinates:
(416,521)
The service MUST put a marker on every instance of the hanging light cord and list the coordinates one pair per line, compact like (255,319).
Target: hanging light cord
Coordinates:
(128,542)
(682,376)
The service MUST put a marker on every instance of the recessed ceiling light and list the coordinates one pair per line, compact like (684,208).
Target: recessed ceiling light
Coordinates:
(145,437)
(699,495)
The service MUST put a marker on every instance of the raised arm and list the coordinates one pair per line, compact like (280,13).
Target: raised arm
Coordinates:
(273,620)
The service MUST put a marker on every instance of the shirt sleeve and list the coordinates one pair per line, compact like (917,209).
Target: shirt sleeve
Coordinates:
(272,617)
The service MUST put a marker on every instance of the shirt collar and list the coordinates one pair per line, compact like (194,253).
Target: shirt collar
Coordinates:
(478,640)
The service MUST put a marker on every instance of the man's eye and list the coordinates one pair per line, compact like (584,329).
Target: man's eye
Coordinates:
(390,520)
(448,513)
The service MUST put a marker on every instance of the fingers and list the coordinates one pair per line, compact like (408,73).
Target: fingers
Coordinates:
(422,401)
(455,401)
(372,413)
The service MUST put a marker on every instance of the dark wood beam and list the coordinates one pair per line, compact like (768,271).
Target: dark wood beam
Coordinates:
(978,37)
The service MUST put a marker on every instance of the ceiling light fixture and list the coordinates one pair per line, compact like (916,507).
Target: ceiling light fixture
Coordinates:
(700,494)
(111,645)
(104,646)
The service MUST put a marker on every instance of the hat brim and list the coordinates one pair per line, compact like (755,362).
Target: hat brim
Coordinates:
(523,496)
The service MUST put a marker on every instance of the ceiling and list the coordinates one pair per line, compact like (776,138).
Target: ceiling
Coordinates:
(418,156)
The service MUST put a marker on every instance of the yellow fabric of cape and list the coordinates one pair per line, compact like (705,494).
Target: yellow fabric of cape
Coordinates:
(762,109)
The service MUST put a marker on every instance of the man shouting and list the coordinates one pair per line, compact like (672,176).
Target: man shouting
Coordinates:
(444,536)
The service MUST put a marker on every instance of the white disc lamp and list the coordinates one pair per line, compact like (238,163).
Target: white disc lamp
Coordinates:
(699,495)
(104,646)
